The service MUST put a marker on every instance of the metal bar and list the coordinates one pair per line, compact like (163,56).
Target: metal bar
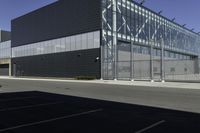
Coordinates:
(102,57)
(131,63)
(114,17)
(151,54)
(162,61)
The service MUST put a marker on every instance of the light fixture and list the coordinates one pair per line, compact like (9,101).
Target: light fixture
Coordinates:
(141,3)
(97,59)
(160,12)
(184,25)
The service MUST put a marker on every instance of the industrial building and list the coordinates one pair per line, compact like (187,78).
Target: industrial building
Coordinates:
(5,53)
(108,39)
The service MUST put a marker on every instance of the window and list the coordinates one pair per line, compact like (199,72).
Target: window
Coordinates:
(62,45)
(78,42)
(90,40)
(96,39)
(57,45)
(48,47)
(67,44)
(5,49)
(72,43)
(84,41)
(52,45)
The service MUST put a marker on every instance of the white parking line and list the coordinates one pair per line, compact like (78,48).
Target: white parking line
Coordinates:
(50,120)
(30,106)
(151,126)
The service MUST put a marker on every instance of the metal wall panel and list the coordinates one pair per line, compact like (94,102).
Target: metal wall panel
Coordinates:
(66,64)
(5,36)
(60,19)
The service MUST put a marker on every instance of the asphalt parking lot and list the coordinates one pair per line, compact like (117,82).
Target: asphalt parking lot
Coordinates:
(36,112)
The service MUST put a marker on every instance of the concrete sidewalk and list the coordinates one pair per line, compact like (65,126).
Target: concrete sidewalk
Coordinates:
(118,82)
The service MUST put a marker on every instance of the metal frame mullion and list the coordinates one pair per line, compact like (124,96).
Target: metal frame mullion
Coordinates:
(131,47)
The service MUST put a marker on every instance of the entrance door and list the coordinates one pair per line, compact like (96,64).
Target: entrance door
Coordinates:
(4,70)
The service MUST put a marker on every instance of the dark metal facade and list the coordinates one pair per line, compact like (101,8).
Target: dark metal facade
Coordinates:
(67,64)
(60,19)
(5,36)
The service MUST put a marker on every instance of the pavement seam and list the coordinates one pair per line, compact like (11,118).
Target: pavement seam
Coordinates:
(50,120)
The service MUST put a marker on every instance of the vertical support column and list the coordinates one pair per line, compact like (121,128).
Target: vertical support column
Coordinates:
(170,39)
(196,65)
(10,68)
(162,61)
(102,60)
(132,63)
(151,55)
(132,29)
(15,70)
(0,35)
(114,18)
(151,63)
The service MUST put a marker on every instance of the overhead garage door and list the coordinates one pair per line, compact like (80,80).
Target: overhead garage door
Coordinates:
(4,70)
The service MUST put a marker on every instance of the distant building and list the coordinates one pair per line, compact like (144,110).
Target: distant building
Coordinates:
(5,53)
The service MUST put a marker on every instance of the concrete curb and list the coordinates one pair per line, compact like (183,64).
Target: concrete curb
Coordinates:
(180,85)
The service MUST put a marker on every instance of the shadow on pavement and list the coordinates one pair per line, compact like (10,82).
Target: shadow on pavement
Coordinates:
(38,112)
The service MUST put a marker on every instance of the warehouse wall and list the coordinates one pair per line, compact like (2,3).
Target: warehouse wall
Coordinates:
(60,19)
(66,64)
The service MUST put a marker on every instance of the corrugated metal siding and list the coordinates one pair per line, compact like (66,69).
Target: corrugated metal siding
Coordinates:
(60,19)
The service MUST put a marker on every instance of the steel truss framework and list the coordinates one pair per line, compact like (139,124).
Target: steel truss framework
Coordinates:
(127,21)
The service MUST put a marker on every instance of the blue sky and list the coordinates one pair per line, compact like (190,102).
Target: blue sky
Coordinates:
(185,11)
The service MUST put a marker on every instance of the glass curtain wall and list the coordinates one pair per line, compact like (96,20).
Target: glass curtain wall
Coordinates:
(129,28)
(83,41)
(5,50)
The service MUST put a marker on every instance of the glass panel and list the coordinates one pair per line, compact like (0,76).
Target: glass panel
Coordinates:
(57,45)
(84,41)
(96,39)
(78,42)
(62,45)
(90,40)
(67,44)
(73,43)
